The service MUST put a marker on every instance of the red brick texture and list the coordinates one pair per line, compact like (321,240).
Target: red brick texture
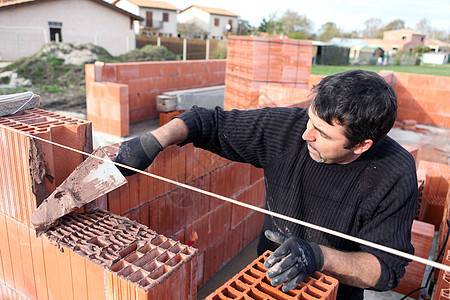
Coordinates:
(252,283)
(253,62)
(442,289)
(436,196)
(423,98)
(223,229)
(31,168)
(94,256)
(118,94)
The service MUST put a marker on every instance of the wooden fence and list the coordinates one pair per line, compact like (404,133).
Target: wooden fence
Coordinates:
(195,48)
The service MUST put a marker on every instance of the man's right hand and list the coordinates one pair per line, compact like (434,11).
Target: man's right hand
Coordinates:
(138,153)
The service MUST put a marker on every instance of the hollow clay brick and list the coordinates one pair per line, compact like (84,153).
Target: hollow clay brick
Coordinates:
(422,235)
(432,210)
(252,283)
(32,168)
(114,246)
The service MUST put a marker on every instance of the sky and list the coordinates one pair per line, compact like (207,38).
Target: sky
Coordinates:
(347,15)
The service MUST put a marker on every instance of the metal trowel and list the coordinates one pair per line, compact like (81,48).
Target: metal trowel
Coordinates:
(90,180)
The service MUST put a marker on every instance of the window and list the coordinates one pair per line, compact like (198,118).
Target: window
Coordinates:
(404,37)
(421,39)
(230,25)
(165,17)
(55,31)
(55,34)
(149,19)
(216,22)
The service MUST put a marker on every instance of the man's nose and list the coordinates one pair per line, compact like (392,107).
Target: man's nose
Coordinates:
(308,134)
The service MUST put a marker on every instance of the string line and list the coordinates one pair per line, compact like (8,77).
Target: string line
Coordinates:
(255,208)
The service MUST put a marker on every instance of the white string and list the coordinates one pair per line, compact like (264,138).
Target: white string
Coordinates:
(255,208)
(23,105)
(15,97)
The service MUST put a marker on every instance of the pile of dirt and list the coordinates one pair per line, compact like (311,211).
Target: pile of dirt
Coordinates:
(56,72)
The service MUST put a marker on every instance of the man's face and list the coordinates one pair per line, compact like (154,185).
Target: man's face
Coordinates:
(326,143)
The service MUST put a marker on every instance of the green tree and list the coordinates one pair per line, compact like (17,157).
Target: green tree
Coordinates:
(244,27)
(272,25)
(294,25)
(424,26)
(373,29)
(394,25)
(328,31)
(191,29)
(353,34)
(290,24)
(441,35)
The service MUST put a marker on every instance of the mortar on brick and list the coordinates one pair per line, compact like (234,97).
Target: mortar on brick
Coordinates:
(126,248)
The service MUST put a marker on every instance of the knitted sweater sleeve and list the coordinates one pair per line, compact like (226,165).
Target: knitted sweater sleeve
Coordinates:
(391,200)
(252,136)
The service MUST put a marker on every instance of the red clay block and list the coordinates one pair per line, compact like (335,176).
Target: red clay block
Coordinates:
(131,250)
(422,235)
(7,261)
(79,280)
(30,289)
(251,283)
(432,210)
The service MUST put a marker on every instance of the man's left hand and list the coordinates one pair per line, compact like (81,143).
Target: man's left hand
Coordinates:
(301,259)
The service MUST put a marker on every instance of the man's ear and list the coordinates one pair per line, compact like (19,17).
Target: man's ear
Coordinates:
(362,147)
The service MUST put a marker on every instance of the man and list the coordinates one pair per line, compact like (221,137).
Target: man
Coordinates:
(331,165)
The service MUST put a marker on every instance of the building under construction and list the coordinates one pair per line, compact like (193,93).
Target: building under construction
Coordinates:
(152,239)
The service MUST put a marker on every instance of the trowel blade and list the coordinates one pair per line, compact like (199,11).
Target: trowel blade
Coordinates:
(90,180)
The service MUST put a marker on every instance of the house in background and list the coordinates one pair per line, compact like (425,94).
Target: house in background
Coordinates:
(437,45)
(26,25)
(216,22)
(159,18)
(401,40)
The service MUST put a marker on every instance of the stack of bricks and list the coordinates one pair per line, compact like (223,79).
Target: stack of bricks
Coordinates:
(442,289)
(93,246)
(254,61)
(223,229)
(252,283)
(422,235)
(118,94)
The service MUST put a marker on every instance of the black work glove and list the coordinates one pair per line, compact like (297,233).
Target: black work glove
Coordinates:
(138,153)
(301,259)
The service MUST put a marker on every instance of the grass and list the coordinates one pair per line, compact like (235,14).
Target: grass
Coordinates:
(440,70)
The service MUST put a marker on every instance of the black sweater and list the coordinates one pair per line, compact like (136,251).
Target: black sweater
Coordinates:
(373,198)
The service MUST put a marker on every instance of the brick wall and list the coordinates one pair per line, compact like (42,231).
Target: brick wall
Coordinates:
(118,94)
(223,229)
(424,98)
(85,256)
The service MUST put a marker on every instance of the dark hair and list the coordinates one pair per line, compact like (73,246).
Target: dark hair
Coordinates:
(361,101)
